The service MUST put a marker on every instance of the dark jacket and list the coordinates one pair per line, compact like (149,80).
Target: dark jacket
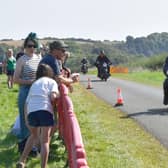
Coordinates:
(101,60)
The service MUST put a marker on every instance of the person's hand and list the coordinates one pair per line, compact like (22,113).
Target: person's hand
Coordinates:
(75,77)
(70,87)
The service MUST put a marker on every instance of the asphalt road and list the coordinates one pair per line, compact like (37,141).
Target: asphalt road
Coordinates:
(141,102)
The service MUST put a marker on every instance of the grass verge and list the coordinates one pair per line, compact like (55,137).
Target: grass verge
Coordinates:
(154,78)
(8,143)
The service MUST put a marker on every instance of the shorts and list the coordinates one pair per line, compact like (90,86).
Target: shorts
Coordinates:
(41,118)
(10,72)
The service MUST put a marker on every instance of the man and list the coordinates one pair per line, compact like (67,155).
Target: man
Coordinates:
(56,53)
(100,60)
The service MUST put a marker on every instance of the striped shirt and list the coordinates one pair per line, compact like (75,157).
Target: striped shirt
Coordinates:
(30,67)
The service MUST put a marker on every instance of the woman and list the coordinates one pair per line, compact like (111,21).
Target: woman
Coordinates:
(25,72)
(39,113)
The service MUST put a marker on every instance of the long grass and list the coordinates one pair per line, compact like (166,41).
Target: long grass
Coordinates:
(8,143)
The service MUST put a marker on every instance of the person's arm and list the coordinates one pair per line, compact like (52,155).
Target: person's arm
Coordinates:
(53,97)
(107,60)
(67,81)
(4,65)
(97,62)
(17,74)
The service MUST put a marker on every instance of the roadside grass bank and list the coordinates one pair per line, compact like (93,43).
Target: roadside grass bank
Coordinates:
(112,141)
(8,143)
(154,78)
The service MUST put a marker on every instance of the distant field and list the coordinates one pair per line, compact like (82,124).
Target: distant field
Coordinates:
(15,43)
(18,43)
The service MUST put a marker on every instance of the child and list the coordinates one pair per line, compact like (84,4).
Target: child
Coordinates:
(9,67)
(39,113)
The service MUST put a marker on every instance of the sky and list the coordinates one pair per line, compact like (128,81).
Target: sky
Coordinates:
(87,19)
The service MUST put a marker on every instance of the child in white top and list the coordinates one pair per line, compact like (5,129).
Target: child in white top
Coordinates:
(39,112)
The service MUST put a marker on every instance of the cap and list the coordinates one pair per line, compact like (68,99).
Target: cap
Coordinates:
(57,45)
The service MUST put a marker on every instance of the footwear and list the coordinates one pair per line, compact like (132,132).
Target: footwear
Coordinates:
(34,152)
(21,145)
(20,165)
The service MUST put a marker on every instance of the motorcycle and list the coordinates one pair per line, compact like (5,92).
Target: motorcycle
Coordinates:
(84,68)
(165,83)
(103,73)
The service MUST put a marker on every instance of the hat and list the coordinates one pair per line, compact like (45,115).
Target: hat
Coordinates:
(102,52)
(57,45)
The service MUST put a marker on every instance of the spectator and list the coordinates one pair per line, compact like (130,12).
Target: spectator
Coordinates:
(57,50)
(42,95)
(56,53)
(24,75)
(9,67)
(65,70)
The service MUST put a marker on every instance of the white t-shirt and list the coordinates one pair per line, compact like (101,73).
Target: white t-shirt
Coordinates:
(39,95)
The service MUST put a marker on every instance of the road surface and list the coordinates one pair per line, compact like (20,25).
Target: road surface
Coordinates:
(141,102)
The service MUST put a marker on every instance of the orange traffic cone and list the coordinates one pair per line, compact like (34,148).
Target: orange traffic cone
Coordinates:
(89,84)
(120,101)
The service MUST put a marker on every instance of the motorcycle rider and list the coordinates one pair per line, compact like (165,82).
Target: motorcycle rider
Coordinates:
(165,83)
(84,61)
(100,60)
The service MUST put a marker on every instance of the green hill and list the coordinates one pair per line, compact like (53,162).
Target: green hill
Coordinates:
(119,52)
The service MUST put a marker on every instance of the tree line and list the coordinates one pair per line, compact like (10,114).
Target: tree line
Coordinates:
(119,52)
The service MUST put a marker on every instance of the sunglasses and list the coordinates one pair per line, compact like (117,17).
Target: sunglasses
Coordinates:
(31,46)
(62,50)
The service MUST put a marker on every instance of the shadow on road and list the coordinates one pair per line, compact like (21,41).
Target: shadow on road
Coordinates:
(159,111)
(95,80)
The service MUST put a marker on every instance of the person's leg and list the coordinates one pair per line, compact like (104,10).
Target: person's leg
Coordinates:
(45,141)
(165,91)
(8,81)
(98,70)
(29,144)
(24,133)
(11,79)
(108,68)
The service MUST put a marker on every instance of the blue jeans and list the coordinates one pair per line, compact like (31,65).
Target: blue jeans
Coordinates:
(23,92)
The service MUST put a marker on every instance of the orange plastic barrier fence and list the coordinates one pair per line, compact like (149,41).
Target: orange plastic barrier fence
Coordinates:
(69,130)
(118,69)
